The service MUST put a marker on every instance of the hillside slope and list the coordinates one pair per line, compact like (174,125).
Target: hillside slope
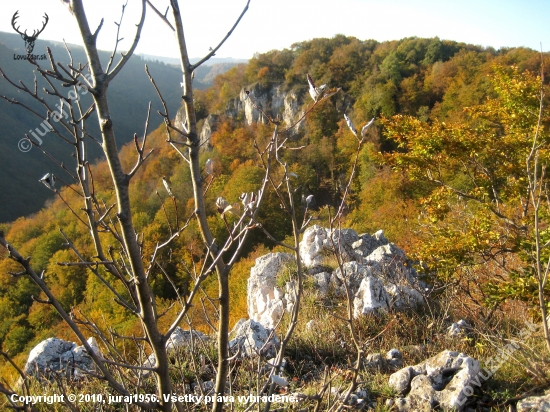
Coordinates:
(427,78)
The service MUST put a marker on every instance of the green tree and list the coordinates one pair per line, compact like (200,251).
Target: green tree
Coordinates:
(480,207)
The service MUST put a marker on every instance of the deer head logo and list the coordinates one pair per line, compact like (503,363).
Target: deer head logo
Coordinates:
(29,40)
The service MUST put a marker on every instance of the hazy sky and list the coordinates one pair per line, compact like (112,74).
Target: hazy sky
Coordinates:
(276,24)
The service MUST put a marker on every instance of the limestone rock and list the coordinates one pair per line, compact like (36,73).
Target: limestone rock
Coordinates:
(534,403)
(291,114)
(368,243)
(371,297)
(422,395)
(341,241)
(207,388)
(353,274)
(319,243)
(266,301)
(400,381)
(253,339)
(208,127)
(311,246)
(375,360)
(322,283)
(55,355)
(441,380)
(182,337)
(273,100)
(310,326)
(375,271)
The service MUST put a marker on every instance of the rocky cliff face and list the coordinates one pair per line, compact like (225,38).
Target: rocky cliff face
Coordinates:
(273,101)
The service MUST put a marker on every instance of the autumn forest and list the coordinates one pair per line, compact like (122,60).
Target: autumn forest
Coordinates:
(447,171)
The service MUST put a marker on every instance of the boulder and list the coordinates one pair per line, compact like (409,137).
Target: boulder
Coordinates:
(388,262)
(58,356)
(266,301)
(182,337)
(253,339)
(445,379)
(393,360)
(400,381)
(421,396)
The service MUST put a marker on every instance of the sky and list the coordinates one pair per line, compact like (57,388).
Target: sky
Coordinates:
(270,24)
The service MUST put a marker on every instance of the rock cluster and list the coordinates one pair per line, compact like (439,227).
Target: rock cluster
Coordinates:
(375,272)
(359,399)
(55,356)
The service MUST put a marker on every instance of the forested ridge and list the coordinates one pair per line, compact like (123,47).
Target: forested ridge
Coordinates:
(430,80)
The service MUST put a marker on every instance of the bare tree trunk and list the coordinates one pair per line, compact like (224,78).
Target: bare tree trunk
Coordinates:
(146,299)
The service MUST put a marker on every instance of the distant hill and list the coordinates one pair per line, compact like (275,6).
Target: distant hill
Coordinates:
(211,62)
(20,192)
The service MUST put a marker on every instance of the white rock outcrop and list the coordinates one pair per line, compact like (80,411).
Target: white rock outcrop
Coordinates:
(275,101)
(446,379)
(312,245)
(402,296)
(53,356)
(267,302)
(375,272)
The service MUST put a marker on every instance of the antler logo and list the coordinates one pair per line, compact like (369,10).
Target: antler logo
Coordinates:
(29,40)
